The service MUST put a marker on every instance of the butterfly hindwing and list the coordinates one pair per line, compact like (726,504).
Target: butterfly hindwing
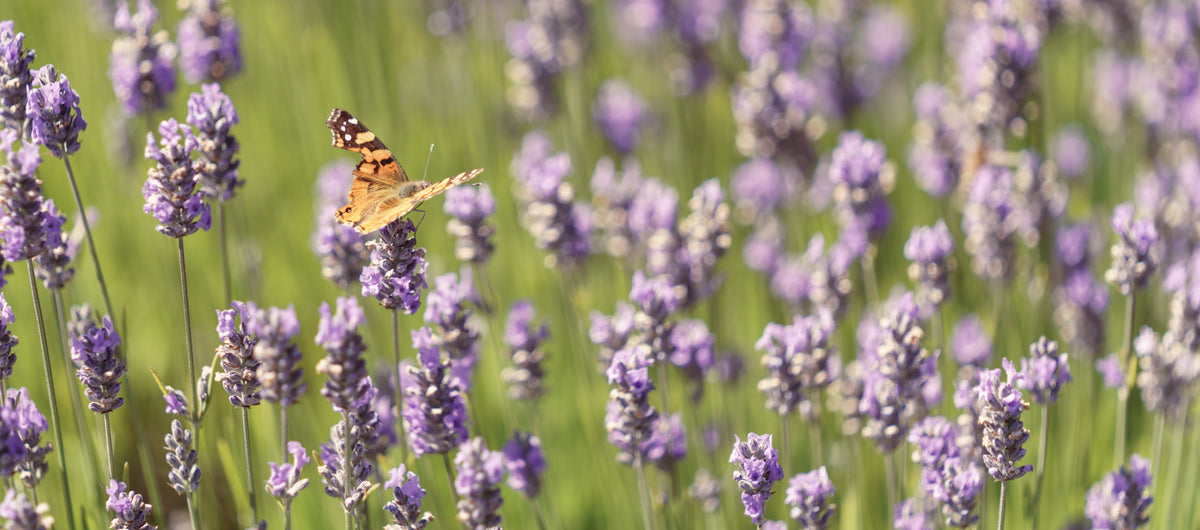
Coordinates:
(377,161)
(438,187)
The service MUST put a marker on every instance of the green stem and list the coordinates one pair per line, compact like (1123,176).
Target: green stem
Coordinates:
(249,467)
(643,490)
(889,470)
(192,512)
(1156,446)
(187,330)
(1172,484)
(1131,372)
(450,477)
(1041,462)
(224,253)
(786,440)
(58,439)
(108,447)
(87,230)
(1000,515)
(348,442)
(283,430)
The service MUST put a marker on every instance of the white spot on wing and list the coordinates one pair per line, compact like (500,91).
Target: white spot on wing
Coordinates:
(347,137)
(354,121)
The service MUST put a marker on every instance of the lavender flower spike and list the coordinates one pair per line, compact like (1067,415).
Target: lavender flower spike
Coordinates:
(341,249)
(808,494)
(14,77)
(759,471)
(53,112)
(98,366)
(629,418)
(238,365)
(1121,499)
(345,366)
(131,512)
(30,425)
(969,342)
(8,341)
(279,372)
(12,448)
(931,251)
(140,65)
(469,208)
(22,514)
(209,41)
(1003,432)
(29,224)
(285,481)
(211,112)
(525,462)
(620,113)
(185,471)
(397,271)
(1136,253)
(524,340)
(479,472)
(434,414)
(1045,371)
(173,185)
(405,506)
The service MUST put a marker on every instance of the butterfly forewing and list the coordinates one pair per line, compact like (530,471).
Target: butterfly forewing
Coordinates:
(377,161)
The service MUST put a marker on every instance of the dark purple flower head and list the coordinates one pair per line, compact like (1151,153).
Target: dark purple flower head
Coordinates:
(29,425)
(98,366)
(1122,498)
(29,223)
(629,418)
(656,297)
(13,451)
(773,112)
(525,462)
(524,340)
(774,34)
(799,362)
(53,112)
(613,194)
(54,265)
(1004,434)
(434,415)
(8,341)
(667,445)
(141,63)
(347,370)
(448,312)
(397,271)
(556,222)
(477,482)
(131,512)
(21,514)
(991,221)
(808,494)
(469,208)
(239,367)
(341,249)
(1072,245)
(211,112)
(184,475)
(758,471)
(279,369)
(621,114)
(931,250)
(856,169)
(209,42)
(519,330)
(552,37)
(1136,253)
(286,479)
(652,208)
(172,189)
(1045,371)
(405,505)
(969,342)
(693,351)
(15,77)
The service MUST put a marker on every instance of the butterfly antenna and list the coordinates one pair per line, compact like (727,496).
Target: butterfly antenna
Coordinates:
(427,159)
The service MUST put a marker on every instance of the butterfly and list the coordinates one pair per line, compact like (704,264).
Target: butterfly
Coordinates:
(381,192)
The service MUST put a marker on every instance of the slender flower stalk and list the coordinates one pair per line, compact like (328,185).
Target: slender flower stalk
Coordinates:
(100,369)
(239,378)
(211,112)
(184,476)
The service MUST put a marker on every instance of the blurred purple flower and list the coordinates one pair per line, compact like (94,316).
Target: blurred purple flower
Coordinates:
(621,114)
(30,425)
(1135,254)
(1122,498)
(22,514)
(800,363)
(860,183)
(808,494)
(909,516)
(131,512)
(141,64)
(1070,150)
(341,249)
(970,343)
(774,34)
(524,340)
(279,369)
(172,189)
(1110,369)
(8,341)
(629,418)
(434,414)
(931,251)
(285,481)
(556,222)
(209,42)
(760,186)
(29,223)
(936,154)
(772,111)
(1045,372)
(552,37)
(525,463)
(991,222)
(448,312)
(477,482)
(338,335)
(469,208)
(1169,372)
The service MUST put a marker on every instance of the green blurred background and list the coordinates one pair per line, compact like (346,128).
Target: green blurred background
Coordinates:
(377,60)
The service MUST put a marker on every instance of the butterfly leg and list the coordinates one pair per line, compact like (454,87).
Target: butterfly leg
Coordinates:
(419,221)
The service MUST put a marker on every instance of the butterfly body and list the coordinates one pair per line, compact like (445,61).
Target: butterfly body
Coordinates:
(381,192)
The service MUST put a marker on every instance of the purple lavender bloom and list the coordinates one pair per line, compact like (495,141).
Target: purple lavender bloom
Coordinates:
(808,494)
(239,368)
(1070,151)
(909,516)
(667,445)
(434,415)
(936,154)
(931,250)
(53,111)
(279,370)
(1003,432)
(479,472)
(209,42)
(14,76)
(613,193)
(760,186)
(1135,254)
(621,114)
(962,483)
(172,189)
(140,65)
(629,418)
(772,111)
(12,449)
(900,357)
(706,489)
(799,362)
(991,221)
(469,208)
(285,481)
(211,112)
(860,183)
(525,462)
(341,249)
(693,352)
(447,312)
(29,223)
(652,209)
(176,402)
(184,476)
(1168,375)
(705,238)
(641,20)
(397,271)
(524,341)
(345,366)
(1122,498)
(883,412)
(1110,369)
(774,34)
(1045,371)
(970,343)
(552,37)
(351,488)
(98,366)
(8,341)
(30,424)
(997,63)
(405,505)
(611,333)
(131,512)
(22,514)
(759,471)
(54,265)
(556,222)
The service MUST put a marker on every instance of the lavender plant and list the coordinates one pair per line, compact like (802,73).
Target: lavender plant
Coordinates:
(341,249)
(286,481)
(141,65)
(209,42)
(405,505)
(130,511)
(759,470)
(808,494)
(15,77)
(524,340)
(479,471)
(100,369)
(239,378)
(212,114)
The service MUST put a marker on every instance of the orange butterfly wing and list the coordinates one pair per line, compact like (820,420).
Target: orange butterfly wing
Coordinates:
(401,206)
